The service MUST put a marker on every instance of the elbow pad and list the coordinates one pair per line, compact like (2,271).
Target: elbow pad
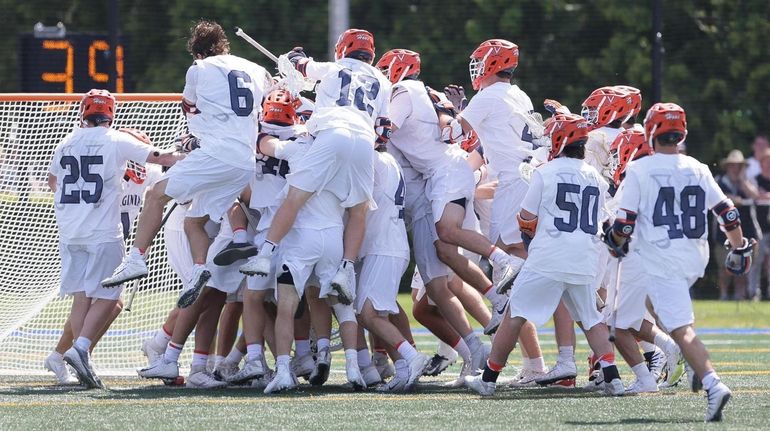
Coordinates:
(727,215)
(189,109)
(624,223)
(528,227)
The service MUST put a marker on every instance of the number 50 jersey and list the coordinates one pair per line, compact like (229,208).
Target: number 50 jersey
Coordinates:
(568,197)
(671,194)
(89,165)
(351,95)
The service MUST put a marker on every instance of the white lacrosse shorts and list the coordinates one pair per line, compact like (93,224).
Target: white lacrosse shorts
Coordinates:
(307,251)
(209,183)
(634,281)
(83,267)
(671,301)
(454,182)
(378,280)
(505,205)
(535,298)
(424,248)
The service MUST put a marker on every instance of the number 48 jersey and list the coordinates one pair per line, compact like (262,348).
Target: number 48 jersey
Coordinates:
(568,196)
(671,194)
(89,165)
(351,95)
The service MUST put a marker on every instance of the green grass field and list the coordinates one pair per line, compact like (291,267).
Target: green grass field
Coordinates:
(741,357)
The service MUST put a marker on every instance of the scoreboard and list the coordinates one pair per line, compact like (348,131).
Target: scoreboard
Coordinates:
(73,64)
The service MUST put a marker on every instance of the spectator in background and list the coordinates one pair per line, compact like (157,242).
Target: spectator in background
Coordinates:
(762,204)
(737,187)
(759,146)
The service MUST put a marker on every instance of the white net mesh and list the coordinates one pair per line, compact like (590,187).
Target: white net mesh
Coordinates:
(31,313)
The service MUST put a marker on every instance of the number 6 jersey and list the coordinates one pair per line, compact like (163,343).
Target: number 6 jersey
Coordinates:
(671,194)
(89,165)
(568,196)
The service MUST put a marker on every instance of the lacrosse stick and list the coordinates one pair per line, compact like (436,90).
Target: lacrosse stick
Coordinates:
(292,79)
(134,287)
(615,302)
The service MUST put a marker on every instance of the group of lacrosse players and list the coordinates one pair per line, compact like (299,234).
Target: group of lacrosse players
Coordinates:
(289,212)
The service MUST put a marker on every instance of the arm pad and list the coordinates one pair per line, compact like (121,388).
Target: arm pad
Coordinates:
(189,109)
(383,127)
(528,227)
(624,224)
(616,249)
(727,215)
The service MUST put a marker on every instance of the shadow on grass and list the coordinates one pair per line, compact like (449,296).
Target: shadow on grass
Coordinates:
(633,421)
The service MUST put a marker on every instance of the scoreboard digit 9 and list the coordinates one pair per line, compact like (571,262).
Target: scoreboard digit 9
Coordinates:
(73,64)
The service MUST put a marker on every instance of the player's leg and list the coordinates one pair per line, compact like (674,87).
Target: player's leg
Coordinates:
(227,335)
(302,364)
(533,364)
(348,328)
(368,371)
(321,322)
(54,362)
(343,281)
(154,348)
(450,230)
(471,300)
(111,318)
(564,372)
(241,246)
(205,333)
(663,345)
(288,300)
(503,344)
(194,228)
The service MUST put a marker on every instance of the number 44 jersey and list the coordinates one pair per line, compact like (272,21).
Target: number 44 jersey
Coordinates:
(568,197)
(671,194)
(89,165)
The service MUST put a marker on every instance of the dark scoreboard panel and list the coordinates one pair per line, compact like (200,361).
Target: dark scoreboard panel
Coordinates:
(73,64)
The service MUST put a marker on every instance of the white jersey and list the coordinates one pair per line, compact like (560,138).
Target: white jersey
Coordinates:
(351,95)
(497,115)
(270,179)
(133,197)
(418,135)
(89,165)
(385,231)
(671,194)
(416,204)
(566,195)
(228,92)
(483,207)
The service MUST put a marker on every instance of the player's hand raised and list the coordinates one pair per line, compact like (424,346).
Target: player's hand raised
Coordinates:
(456,95)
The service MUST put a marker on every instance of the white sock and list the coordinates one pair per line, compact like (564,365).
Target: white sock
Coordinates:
(566,354)
(402,368)
(534,364)
(406,351)
(173,351)
(240,236)
(322,343)
(218,360)
(57,355)
(641,371)
(301,347)
(254,351)
(364,359)
(284,360)
(472,340)
(646,346)
(462,349)
(161,337)
(497,255)
(235,356)
(83,343)
(497,300)
(351,357)
(710,380)
(199,359)
(665,342)
(135,253)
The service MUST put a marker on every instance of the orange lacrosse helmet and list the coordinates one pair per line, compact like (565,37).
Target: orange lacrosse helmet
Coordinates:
(397,64)
(665,119)
(607,104)
(636,98)
(628,145)
(135,171)
(97,106)
(491,57)
(280,108)
(354,40)
(566,130)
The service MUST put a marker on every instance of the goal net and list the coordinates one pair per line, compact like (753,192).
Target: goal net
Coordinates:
(31,312)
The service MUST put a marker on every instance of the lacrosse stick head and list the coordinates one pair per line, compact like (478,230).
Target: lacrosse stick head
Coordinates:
(292,78)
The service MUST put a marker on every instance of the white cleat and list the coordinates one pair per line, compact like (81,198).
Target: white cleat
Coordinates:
(261,263)
(438,363)
(485,389)
(253,369)
(323,363)
(595,381)
(354,376)
(225,370)
(479,358)
(371,376)
(641,387)
(192,289)
(344,283)
(152,351)
(674,367)
(80,361)
(160,370)
(459,382)
(132,267)
(416,367)
(200,378)
(383,365)
(505,272)
(396,384)
(498,313)
(282,381)
(614,387)
(656,363)
(55,364)
(302,366)
(563,374)
(718,396)
(527,378)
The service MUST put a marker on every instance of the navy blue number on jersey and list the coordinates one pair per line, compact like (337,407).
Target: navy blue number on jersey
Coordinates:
(80,169)
(238,93)
(585,216)
(691,223)
(273,166)
(400,195)
(367,89)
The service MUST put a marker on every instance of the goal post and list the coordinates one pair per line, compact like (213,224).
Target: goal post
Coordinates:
(31,312)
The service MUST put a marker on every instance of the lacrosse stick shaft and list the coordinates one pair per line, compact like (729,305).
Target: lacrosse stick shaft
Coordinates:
(615,302)
(239,32)
(135,284)
(245,208)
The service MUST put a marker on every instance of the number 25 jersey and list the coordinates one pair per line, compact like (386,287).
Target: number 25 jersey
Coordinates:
(89,165)
(671,194)
(568,196)
(351,95)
